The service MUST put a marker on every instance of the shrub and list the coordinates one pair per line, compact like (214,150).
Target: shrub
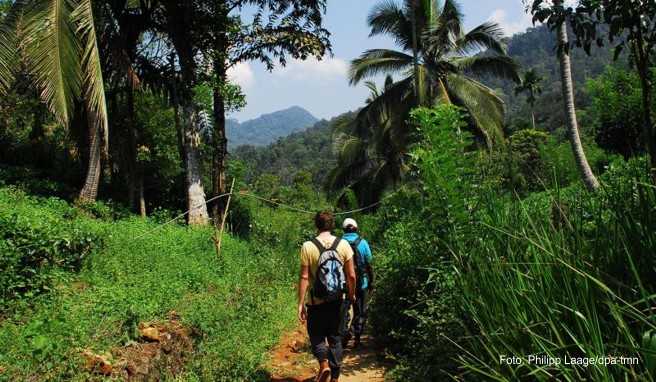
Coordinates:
(617,109)
(33,250)
(528,169)
(415,305)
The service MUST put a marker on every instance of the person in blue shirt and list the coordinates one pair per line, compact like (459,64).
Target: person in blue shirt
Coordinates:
(365,279)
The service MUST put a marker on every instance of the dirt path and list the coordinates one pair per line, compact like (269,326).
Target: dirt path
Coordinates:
(291,361)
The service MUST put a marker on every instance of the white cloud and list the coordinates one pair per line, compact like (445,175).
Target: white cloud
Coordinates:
(510,27)
(328,68)
(242,74)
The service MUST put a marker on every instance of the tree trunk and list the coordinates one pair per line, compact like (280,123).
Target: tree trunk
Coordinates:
(89,191)
(415,53)
(195,192)
(142,199)
(220,144)
(588,177)
(132,149)
(179,17)
(533,118)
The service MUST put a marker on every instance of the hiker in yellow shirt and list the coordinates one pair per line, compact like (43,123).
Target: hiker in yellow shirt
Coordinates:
(327,274)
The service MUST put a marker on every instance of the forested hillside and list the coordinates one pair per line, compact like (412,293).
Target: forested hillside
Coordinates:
(535,49)
(266,128)
(306,151)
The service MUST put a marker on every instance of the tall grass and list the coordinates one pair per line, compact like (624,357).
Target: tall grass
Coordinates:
(563,274)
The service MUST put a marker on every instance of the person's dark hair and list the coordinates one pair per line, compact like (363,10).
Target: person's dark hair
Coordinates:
(324,221)
(350,229)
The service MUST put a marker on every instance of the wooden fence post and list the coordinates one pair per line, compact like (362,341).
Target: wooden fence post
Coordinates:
(218,234)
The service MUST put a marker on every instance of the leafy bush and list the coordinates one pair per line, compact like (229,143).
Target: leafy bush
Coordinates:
(32,251)
(617,110)
(105,210)
(528,168)
(33,181)
(415,308)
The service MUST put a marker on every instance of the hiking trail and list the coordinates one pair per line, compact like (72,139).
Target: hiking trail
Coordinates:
(292,361)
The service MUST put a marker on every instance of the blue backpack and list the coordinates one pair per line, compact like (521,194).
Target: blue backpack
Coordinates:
(359,261)
(329,280)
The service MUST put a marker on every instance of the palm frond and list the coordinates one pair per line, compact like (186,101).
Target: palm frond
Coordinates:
(388,18)
(485,37)
(352,159)
(376,61)
(485,107)
(498,66)
(450,18)
(392,101)
(52,53)
(94,89)
(10,35)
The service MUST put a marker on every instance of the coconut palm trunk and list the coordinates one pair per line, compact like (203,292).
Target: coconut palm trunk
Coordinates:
(89,190)
(582,164)
(415,51)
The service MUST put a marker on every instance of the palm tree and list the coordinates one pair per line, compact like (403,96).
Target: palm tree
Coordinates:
(370,153)
(587,175)
(436,63)
(447,57)
(57,41)
(530,84)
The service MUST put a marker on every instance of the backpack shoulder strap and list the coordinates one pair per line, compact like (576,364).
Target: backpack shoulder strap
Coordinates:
(319,245)
(356,243)
(335,243)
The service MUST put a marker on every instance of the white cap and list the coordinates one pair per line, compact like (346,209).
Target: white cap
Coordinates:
(349,222)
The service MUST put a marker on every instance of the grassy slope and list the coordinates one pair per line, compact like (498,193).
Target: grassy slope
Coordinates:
(238,305)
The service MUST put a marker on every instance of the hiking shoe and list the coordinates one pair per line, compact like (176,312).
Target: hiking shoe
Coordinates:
(323,376)
(345,340)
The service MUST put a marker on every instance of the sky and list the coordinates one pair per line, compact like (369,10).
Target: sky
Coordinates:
(321,87)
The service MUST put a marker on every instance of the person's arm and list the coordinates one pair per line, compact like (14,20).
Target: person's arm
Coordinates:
(350,279)
(303,282)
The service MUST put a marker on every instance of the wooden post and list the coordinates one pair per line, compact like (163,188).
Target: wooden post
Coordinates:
(218,234)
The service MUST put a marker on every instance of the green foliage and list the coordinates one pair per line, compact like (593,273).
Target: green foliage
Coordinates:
(467,274)
(528,165)
(617,111)
(561,167)
(415,306)
(233,96)
(535,49)
(34,250)
(562,274)
(236,305)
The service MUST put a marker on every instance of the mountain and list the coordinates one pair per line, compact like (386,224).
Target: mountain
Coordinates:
(267,128)
(309,150)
